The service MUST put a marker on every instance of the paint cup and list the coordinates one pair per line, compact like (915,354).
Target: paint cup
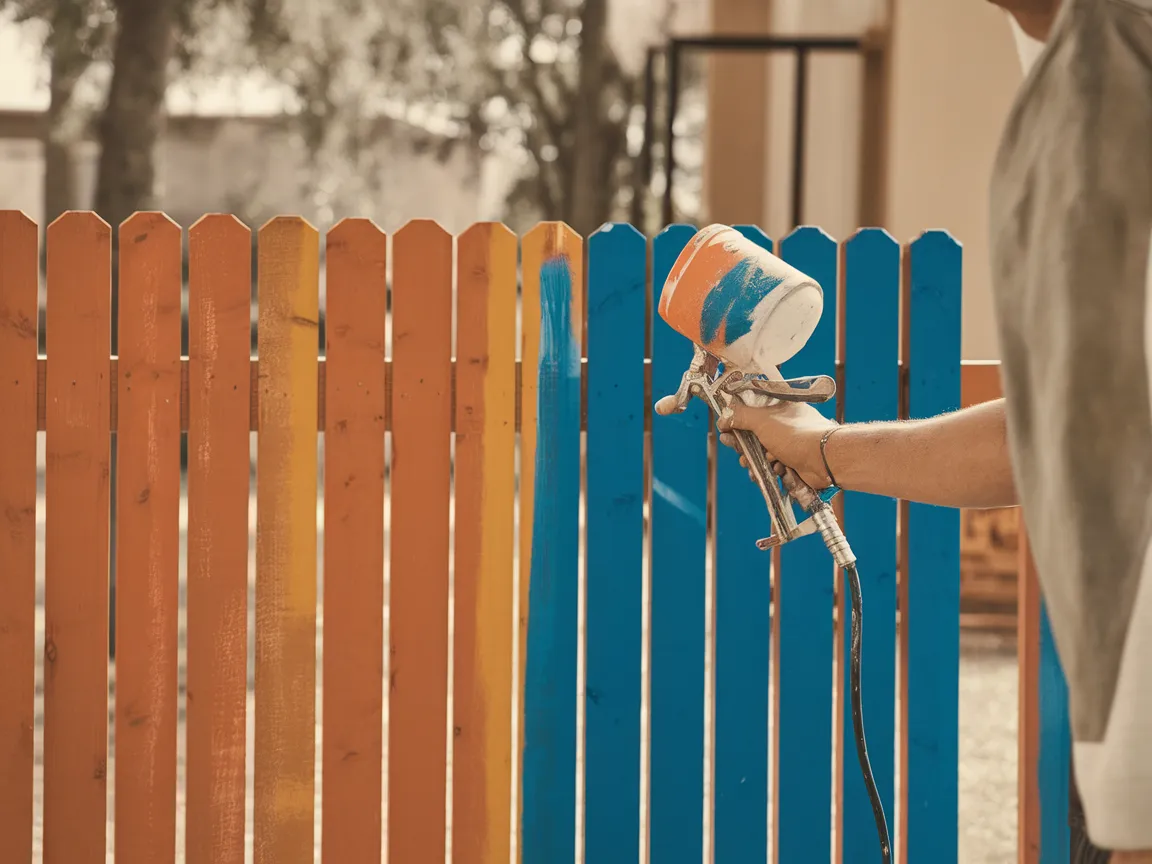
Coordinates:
(739,301)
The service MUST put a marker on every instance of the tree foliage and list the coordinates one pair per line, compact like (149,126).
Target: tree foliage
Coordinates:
(533,84)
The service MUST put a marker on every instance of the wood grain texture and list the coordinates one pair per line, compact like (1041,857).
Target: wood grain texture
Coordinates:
(804,792)
(743,641)
(19,264)
(76,541)
(679,549)
(485,537)
(930,611)
(219,393)
(148,538)
(553,316)
(421,484)
(871,393)
(354,543)
(286,482)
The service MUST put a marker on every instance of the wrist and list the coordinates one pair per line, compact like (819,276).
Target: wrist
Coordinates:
(829,474)
(835,458)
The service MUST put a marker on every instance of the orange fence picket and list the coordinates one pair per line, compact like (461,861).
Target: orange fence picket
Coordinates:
(354,542)
(418,611)
(76,540)
(286,487)
(485,534)
(219,398)
(18,318)
(147,531)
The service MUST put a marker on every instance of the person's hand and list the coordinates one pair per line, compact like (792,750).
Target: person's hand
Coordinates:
(790,433)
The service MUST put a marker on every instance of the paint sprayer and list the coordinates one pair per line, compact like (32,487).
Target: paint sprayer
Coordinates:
(747,312)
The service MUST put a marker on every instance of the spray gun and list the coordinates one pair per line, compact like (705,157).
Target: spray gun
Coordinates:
(747,312)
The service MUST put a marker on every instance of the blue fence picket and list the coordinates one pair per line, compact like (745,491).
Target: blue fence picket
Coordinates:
(553,259)
(679,506)
(743,637)
(871,392)
(932,613)
(804,613)
(617,270)
(1055,750)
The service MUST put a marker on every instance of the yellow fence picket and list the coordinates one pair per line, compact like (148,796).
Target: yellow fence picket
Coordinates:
(485,501)
(286,487)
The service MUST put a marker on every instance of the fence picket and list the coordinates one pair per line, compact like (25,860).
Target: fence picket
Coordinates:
(804,601)
(617,270)
(76,539)
(354,542)
(219,399)
(871,392)
(743,640)
(485,536)
(418,616)
(18,333)
(1055,749)
(288,298)
(930,602)
(148,537)
(553,318)
(679,545)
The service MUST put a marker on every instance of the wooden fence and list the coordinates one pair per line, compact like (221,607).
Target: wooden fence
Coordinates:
(544,560)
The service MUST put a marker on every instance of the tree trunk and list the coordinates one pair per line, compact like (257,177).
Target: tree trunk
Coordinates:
(133,117)
(590,190)
(65,122)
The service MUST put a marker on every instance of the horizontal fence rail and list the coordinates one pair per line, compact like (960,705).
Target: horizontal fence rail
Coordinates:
(583,652)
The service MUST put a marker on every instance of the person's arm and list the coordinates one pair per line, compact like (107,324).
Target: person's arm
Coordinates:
(955,460)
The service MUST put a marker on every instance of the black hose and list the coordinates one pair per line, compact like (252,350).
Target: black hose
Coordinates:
(858,715)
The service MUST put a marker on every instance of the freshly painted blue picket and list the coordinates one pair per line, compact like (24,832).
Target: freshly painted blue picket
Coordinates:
(679,507)
(804,614)
(871,392)
(932,615)
(743,637)
(1055,750)
(548,817)
(617,273)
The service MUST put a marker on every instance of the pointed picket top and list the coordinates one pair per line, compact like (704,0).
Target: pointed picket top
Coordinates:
(492,229)
(553,238)
(935,239)
(870,235)
(675,228)
(14,220)
(79,222)
(283,223)
(217,221)
(144,223)
(354,231)
(422,228)
(616,230)
(806,237)
(756,234)
(218,228)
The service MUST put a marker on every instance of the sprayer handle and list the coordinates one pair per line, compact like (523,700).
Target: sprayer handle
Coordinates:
(812,388)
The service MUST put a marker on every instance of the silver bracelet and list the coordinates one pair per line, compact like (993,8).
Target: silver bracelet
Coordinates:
(824,455)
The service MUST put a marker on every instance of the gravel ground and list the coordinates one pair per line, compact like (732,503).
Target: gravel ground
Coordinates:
(988,724)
